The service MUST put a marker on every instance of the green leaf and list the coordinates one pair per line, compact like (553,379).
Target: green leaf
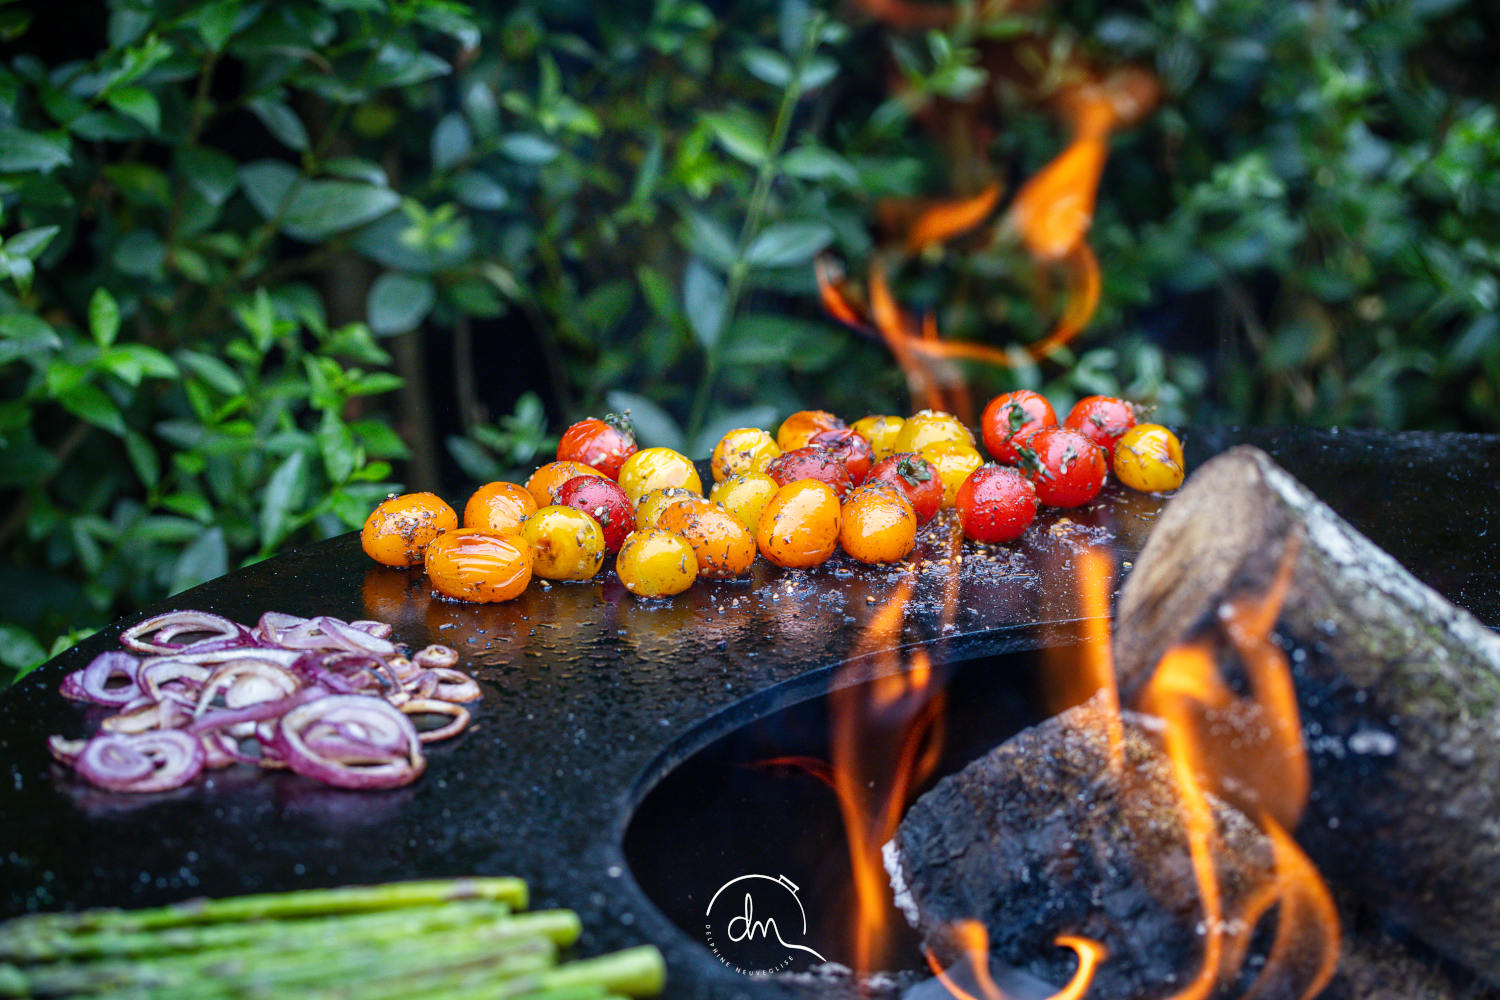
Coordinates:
(482,110)
(527,148)
(479,190)
(768,66)
(143,458)
(654,426)
(22,151)
(138,103)
(710,240)
(658,292)
(31,243)
(218,21)
(281,121)
(140,254)
(132,362)
(207,558)
(740,133)
(451,141)
(765,339)
(19,650)
(213,371)
(787,244)
(814,163)
(379,440)
(93,405)
(283,493)
(703,301)
(104,317)
(336,442)
(22,334)
(398,302)
(317,209)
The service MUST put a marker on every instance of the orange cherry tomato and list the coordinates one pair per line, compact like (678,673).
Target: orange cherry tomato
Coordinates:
(720,542)
(800,525)
(1149,458)
(878,524)
(648,509)
(398,531)
(472,564)
(499,507)
(795,431)
(546,481)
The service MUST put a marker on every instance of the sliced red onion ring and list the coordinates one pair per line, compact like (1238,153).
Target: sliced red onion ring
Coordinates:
(166,714)
(165,627)
(226,718)
(380,630)
(458,718)
(303,727)
(65,751)
(245,682)
(435,656)
(93,682)
(455,685)
(145,762)
(154,674)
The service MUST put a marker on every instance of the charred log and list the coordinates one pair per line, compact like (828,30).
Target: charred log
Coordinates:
(1399,692)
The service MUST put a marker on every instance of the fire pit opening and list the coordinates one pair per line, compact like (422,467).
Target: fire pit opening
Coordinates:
(759,800)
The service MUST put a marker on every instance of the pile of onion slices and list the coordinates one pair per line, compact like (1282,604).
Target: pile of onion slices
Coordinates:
(331,700)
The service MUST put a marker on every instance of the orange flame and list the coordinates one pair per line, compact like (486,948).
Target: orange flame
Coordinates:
(973,940)
(1086,670)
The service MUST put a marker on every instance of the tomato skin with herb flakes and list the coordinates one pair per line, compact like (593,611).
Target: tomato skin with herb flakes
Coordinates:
(473,564)
(745,497)
(656,563)
(954,461)
(605,502)
(850,448)
(1009,418)
(877,524)
(742,450)
(547,480)
(811,462)
(1149,458)
(796,430)
(602,444)
(799,528)
(722,546)
(916,477)
(997,503)
(1066,468)
(648,509)
(655,469)
(398,531)
(1103,420)
(566,543)
(881,431)
(927,427)
(499,506)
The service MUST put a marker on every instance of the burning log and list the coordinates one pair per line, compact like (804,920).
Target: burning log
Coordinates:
(1397,689)
(1047,834)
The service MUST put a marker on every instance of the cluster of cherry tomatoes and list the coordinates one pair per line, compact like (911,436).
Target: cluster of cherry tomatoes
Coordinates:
(817,486)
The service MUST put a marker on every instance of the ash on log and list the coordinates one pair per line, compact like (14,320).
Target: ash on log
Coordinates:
(1399,692)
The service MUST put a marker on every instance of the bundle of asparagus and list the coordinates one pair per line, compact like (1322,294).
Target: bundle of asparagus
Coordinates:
(458,939)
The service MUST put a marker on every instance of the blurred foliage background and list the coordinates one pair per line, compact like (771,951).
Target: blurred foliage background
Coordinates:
(260,262)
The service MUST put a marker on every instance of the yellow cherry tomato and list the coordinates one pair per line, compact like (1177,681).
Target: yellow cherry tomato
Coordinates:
(881,431)
(800,525)
(472,564)
(544,482)
(723,547)
(648,510)
(656,563)
(398,531)
(1149,458)
(657,468)
(929,427)
(955,462)
(795,431)
(878,524)
(744,449)
(566,543)
(745,497)
(499,507)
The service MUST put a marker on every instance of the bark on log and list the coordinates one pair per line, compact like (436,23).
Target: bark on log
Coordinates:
(1399,692)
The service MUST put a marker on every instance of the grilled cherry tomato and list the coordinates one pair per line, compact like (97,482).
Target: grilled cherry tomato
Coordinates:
(473,564)
(929,427)
(745,497)
(720,542)
(398,531)
(603,444)
(996,503)
(1149,458)
(800,525)
(1009,418)
(656,563)
(1103,420)
(1067,468)
(499,507)
(954,461)
(811,462)
(914,476)
(605,502)
(545,482)
(744,449)
(850,448)
(877,524)
(658,468)
(566,543)
(795,431)
(881,431)
(648,511)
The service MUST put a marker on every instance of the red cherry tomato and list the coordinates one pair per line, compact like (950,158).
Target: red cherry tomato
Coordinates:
(603,444)
(1067,468)
(914,476)
(1009,418)
(811,462)
(996,503)
(1103,420)
(605,502)
(850,447)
